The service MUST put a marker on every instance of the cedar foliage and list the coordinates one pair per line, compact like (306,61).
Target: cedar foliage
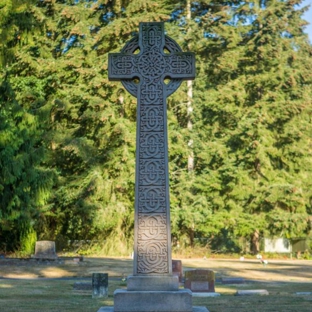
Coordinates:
(251,121)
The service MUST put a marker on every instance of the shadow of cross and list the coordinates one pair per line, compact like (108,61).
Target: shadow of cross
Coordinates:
(159,58)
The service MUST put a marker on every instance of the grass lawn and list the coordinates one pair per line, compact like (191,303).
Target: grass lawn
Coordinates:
(23,288)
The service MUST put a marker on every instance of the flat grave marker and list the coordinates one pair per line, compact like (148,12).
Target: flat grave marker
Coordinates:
(251,292)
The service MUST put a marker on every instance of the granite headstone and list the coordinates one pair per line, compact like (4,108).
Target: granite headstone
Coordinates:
(200,280)
(45,250)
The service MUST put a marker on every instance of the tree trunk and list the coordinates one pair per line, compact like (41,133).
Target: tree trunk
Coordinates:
(190,161)
(255,242)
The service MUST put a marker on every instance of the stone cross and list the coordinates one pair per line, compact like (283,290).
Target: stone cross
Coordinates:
(143,74)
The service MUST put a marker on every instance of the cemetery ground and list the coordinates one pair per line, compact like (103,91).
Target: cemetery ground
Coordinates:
(29,285)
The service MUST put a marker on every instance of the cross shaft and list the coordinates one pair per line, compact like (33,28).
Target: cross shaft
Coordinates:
(152,243)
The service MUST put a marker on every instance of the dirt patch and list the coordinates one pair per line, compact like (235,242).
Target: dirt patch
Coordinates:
(275,270)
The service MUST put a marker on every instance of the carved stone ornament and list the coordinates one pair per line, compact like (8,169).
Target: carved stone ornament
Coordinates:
(143,75)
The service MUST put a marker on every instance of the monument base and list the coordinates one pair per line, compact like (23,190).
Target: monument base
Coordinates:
(194,309)
(153,294)
(153,282)
(160,301)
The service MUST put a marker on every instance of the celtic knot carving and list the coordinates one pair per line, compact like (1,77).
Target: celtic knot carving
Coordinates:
(152,257)
(152,93)
(132,46)
(152,226)
(152,172)
(152,145)
(151,65)
(152,118)
(152,199)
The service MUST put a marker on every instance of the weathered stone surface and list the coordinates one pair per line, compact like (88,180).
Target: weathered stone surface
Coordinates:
(251,292)
(177,269)
(150,282)
(205,294)
(99,285)
(162,301)
(45,250)
(200,280)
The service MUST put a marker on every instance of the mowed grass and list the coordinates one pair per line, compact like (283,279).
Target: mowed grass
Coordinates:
(47,294)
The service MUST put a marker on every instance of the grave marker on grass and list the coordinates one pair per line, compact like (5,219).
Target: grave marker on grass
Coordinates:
(45,250)
(177,269)
(152,287)
(200,280)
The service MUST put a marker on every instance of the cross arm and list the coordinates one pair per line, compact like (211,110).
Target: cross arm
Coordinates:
(121,66)
(181,65)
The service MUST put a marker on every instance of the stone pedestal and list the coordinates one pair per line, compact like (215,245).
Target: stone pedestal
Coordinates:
(162,301)
(153,294)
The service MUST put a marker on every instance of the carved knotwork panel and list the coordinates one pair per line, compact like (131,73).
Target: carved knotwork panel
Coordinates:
(152,119)
(152,145)
(152,172)
(152,199)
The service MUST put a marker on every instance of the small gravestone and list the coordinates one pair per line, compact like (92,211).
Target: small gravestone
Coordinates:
(200,280)
(177,269)
(45,250)
(99,285)
(304,293)
(251,292)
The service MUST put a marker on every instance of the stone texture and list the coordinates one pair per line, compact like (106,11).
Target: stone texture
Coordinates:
(251,292)
(177,269)
(45,250)
(144,301)
(205,294)
(150,282)
(200,280)
(99,285)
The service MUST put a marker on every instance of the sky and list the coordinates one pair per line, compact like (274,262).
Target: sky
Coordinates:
(308,17)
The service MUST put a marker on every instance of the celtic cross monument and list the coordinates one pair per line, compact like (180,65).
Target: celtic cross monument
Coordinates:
(142,67)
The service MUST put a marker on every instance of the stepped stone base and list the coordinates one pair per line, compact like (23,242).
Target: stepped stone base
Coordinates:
(153,294)
(194,309)
(162,301)
(153,282)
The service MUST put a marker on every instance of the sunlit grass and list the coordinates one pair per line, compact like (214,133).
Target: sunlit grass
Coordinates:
(58,295)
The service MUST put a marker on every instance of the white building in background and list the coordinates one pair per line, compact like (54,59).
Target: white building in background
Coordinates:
(277,245)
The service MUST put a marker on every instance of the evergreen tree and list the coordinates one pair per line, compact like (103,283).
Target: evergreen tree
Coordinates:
(90,122)
(256,120)
(24,182)
(251,119)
